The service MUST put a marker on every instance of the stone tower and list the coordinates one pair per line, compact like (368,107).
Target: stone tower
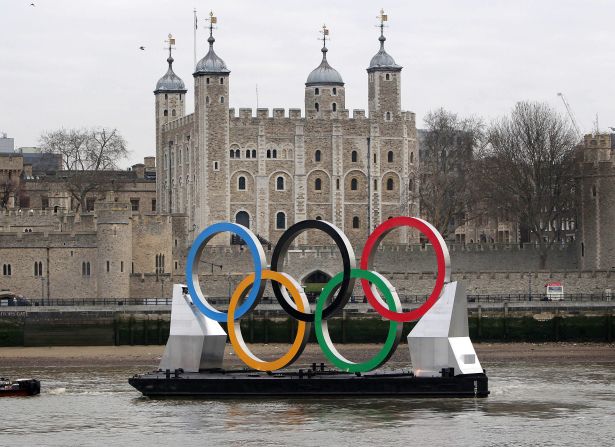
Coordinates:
(114,255)
(324,88)
(211,98)
(596,188)
(170,95)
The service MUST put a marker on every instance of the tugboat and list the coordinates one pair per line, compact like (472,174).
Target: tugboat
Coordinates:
(20,387)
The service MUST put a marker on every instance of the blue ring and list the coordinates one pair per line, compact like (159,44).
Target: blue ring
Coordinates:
(194,256)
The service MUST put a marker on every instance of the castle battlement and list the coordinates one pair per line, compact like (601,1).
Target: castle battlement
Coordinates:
(179,123)
(245,113)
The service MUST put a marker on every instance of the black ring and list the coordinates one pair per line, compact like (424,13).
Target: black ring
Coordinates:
(348,258)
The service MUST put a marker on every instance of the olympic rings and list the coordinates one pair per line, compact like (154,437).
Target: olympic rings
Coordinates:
(322,330)
(192,269)
(442,257)
(348,260)
(297,306)
(234,328)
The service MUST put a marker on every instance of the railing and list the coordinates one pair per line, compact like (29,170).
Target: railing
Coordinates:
(405,299)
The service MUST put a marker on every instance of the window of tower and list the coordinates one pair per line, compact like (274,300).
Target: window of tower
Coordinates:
(166,113)
(216,166)
(180,96)
(334,91)
(247,153)
(279,184)
(237,153)
(388,116)
(411,157)
(207,81)
(317,91)
(173,113)
(221,81)
(268,153)
(207,100)
(375,158)
(221,99)
(390,184)
(334,107)
(354,184)
(318,184)
(232,153)
(387,77)
(253,153)
(317,107)
(337,183)
(166,96)
(375,185)
(241,183)
(317,156)
(390,156)
(355,222)
(594,190)
(280,221)
(274,154)
(318,218)
(353,156)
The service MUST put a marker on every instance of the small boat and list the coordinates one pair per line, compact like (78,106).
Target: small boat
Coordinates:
(20,387)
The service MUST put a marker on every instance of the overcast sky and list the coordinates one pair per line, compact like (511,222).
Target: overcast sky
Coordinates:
(75,63)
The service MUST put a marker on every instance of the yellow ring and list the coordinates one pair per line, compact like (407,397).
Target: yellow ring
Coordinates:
(234,329)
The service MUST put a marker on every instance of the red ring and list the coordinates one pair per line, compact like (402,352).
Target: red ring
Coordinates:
(442,258)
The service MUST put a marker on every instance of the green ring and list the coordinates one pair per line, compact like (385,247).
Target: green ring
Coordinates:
(322,331)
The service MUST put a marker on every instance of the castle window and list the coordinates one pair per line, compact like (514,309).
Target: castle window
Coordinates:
(253,153)
(411,157)
(390,156)
(354,184)
(206,80)
(387,77)
(317,184)
(390,184)
(153,204)
(274,154)
(108,266)
(173,112)
(582,249)
(180,96)
(6,269)
(317,92)
(318,218)
(337,183)
(207,100)
(280,221)
(353,156)
(375,185)
(241,183)
(85,269)
(279,184)
(166,96)
(355,222)
(334,107)
(317,107)
(594,190)
(247,153)
(159,263)
(121,266)
(175,265)
(237,153)
(134,204)
(388,116)
(216,166)
(166,113)
(334,91)
(221,99)
(268,153)
(232,153)
(317,156)
(221,81)
(243,218)
(132,267)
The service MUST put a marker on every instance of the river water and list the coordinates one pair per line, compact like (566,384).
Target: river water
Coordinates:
(530,404)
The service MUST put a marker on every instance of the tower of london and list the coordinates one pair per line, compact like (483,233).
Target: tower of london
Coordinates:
(268,170)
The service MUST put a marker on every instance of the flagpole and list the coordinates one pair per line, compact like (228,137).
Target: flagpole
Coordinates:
(194,41)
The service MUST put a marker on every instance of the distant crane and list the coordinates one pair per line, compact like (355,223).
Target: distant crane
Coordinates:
(570,114)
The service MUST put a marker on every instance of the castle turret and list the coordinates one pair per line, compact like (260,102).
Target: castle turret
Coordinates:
(170,97)
(384,82)
(211,98)
(324,88)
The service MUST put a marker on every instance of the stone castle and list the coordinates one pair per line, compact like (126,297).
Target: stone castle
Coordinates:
(267,171)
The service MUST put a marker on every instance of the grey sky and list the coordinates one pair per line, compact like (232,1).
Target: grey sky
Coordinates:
(76,63)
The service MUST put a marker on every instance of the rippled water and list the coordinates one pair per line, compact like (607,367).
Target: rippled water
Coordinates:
(529,405)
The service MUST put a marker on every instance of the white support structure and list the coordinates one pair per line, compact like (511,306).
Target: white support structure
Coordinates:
(195,341)
(441,339)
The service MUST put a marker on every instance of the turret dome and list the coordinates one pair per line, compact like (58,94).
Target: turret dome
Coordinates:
(324,74)
(211,63)
(170,82)
(383,60)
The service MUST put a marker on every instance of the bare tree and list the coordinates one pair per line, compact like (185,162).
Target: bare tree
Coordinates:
(8,187)
(86,154)
(446,157)
(528,168)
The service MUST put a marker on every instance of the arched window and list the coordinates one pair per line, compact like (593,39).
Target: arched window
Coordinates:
(280,221)
(317,156)
(334,91)
(279,183)
(317,184)
(354,184)
(237,153)
(221,80)
(221,99)
(334,107)
(390,156)
(232,153)
(207,81)
(390,184)
(387,77)
(388,116)
(274,153)
(375,185)
(166,113)
(337,183)
(268,153)
(353,156)
(241,183)
(243,218)
(317,107)
(166,96)
(247,153)
(317,92)
(253,153)
(411,157)
(318,218)
(355,222)
(173,113)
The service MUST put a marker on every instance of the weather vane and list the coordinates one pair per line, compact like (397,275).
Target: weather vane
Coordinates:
(383,18)
(212,21)
(325,35)
(170,42)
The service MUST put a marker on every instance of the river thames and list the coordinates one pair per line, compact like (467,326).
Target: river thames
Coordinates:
(556,403)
